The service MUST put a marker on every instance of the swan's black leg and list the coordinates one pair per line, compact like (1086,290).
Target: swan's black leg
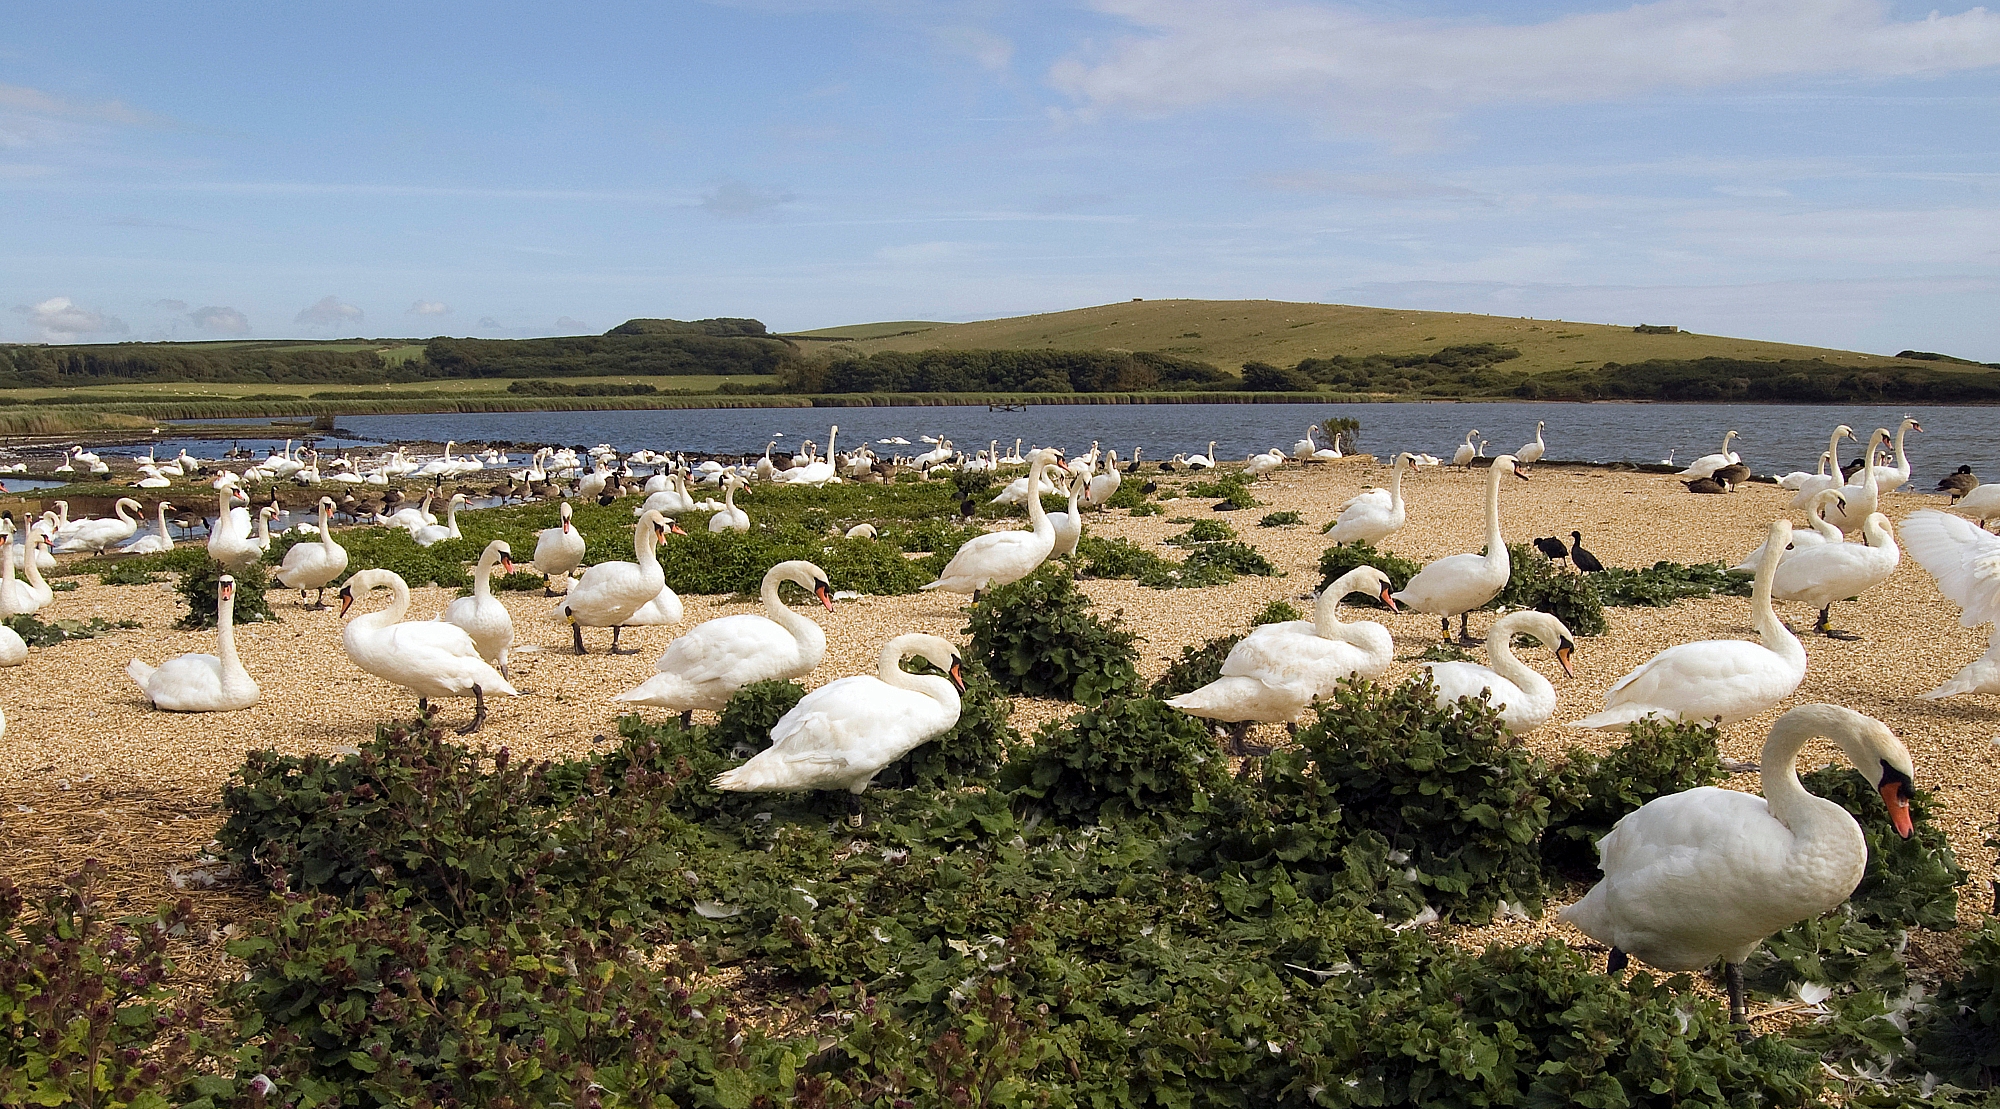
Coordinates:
(614,643)
(1826,627)
(576,630)
(478,712)
(1464,630)
(687,718)
(423,706)
(1617,961)
(1739,1013)
(1445,621)
(854,810)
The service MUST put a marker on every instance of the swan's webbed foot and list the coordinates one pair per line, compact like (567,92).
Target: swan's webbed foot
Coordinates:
(1825,627)
(617,650)
(478,712)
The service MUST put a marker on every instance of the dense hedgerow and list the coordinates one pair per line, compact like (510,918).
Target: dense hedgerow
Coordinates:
(1038,636)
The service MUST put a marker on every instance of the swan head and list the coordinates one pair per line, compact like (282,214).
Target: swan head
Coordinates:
(1911,423)
(1547,630)
(1504,463)
(936,650)
(500,550)
(225,589)
(1870,746)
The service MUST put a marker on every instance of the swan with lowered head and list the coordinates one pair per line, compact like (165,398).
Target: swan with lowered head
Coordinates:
(704,667)
(158,542)
(1531,453)
(95,535)
(1707,464)
(558,551)
(1524,699)
(1823,574)
(202,683)
(1001,557)
(1860,498)
(1809,484)
(1276,670)
(434,534)
(314,565)
(24,598)
(1715,679)
(1709,873)
(427,657)
(610,593)
(671,500)
(1257,465)
(482,615)
(1981,675)
(1374,515)
(1455,585)
(1821,533)
(844,733)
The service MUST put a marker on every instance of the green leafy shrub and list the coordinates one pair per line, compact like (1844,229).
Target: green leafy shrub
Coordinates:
(1130,756)
(1447,787)
(1960,1038)
(1197,666)
(125,573)
(1663,583)
(198,590)
(1233,490)
(1588,793)
(1118,558)
(1232,558)
(1038,636)
(1277,612)
(1534,582)
(1203,531)
(87,1016)
(140,569)
(1131,495)
(1147,509)
(1342,557)
(744,725)
(1280,519)
(35,633)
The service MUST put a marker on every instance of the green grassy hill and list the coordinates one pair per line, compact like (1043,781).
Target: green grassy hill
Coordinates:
(1229,333)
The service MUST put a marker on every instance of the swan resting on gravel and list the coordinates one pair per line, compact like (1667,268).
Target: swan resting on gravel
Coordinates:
(199,682)
(704,667)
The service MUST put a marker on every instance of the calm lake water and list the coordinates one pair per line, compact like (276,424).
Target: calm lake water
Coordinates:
(1773,439)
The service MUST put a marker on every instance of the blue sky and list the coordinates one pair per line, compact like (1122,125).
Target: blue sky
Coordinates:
(1818,171)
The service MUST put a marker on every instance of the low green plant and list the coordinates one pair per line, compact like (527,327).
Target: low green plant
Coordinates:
(1131,494)
(1232,558)
(1588,793)
(36,633)
(198,590)
(1202,531)
(1098,557)
(743,728)
(1277,612)
(1959,1039)
(1128,757)
(1534,583)
(1283,519)
(1342,557)
(1233,490)
(1038,636)
(125,573)
(1198,665)
(1147,509)
(1663,583)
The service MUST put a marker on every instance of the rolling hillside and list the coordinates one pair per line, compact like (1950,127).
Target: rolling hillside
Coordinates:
(1228,333)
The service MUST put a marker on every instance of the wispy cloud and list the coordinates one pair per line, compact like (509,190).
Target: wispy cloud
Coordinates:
(60,319)
(226,320)
(428,308)
(733,199)
(328,311)
(991,52)
(21,100)
(1374,186)
(1352,68)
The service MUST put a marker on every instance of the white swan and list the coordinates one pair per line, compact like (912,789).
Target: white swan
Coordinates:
(1964,559)
(1068,524)
(1203,461)
(1275,671)
(1455,585)
(702,668)
(1707,464)
(482,615)
(1828,475)
(1982,503)
(158,542)
(1715,679)
(844,733)
(821,471)
(1531,453)
(1374,515)
(1016,492)
(229,541)
(1524,698)
(95,535)
(410,519)
(1821,533)
(314,565)
(13,649)
(610,593)
(1859,498)
(1708,873)
(14,553)
(663,611)
(24,598)
(1890,478)
(731,518)
(1257,465)
(1304,448)
(1104,486)
(558,551)
(671,500)
(202,683)
(1830,572)
(437,533)
(1462,457)
(427,657)
(1001,557)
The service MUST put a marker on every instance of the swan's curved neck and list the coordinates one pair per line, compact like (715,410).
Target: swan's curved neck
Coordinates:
(1902,459)
(1770,630)
(891,671)
(30,568)
(645,547)
(1788,799)
(325,522)
(119,511)
(482,575)
(1396,483)
(1832,452)
(163,519)
(1038,519)
(729,497)
(225,636)
(1500,653)
(1495,546)
(399,606)
(1876,535)
(794,622)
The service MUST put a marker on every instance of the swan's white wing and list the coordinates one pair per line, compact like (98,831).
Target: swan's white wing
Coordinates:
(1698,681)
(1963,558)
(739,649)
(1469,679)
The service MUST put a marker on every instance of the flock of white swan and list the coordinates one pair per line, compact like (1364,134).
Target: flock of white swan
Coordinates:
(1688,879)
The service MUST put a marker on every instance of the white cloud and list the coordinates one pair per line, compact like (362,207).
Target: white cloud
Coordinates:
(920,254)
(992,52)
(328,311)
(216,318)
(428,308)
(1357,69)
(1373,186)
(18,99)
(58,319)
(732,199)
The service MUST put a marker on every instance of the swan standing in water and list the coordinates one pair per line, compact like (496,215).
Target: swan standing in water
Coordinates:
(1715,679)
(314,565)
(844,733)
(1375,515)
(1524,699)
(704,667)
(1709,873)
(1455,585)
(1833,571)
(197,682)
(558,551)
(1002,557)
(610,593)
(482,615)
(1276,670)
(427,657)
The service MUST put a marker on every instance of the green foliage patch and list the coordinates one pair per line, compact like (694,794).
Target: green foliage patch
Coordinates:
(1038,636)
(36,633)
(1343,557)
(1286,518)
(1533,582)
(199,588)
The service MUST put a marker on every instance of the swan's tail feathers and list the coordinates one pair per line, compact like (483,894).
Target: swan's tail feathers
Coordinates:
(667,691)
(938,584)
(1222,699)
(141,673)
(754,776)
(1625,716)
(1952,688)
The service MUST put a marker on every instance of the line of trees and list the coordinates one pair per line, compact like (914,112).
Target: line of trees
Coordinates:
(1014,371)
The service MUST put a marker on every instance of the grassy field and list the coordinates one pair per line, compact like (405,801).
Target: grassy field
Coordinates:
(456,388)
(870,330)
(1228,333)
